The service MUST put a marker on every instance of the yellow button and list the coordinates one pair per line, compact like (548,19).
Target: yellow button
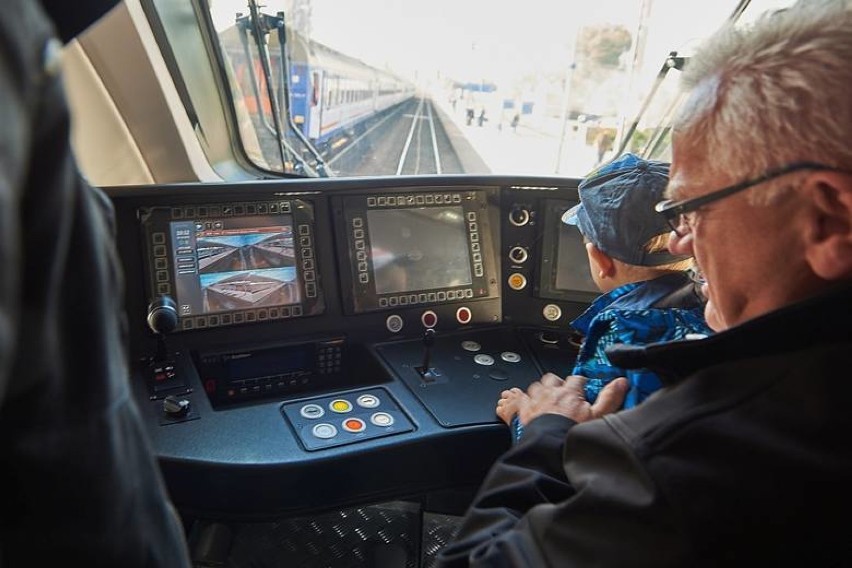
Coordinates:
(340,405)
(517,281)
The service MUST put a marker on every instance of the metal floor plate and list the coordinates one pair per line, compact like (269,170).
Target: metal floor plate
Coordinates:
(389,535)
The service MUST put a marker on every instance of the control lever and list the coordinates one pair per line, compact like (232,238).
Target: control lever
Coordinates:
(162,320)
(427,373)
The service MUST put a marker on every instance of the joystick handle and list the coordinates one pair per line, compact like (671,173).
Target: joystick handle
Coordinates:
(428,342)
(162,315)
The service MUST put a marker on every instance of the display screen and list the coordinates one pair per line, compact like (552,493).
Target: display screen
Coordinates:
(234,264)
(262,363)
(419,249)
(565,272)
(572,265)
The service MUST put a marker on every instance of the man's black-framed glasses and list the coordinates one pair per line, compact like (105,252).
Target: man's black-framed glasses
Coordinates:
(676,212)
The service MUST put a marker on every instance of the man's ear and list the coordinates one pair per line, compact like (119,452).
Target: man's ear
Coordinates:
(829,238)
(602,261)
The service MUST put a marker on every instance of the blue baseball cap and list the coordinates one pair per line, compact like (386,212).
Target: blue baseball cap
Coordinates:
(616,210)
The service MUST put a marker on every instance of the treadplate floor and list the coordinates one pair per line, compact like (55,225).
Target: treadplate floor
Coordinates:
(390,535)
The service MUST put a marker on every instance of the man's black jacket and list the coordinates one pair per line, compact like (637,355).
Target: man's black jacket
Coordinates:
(743,458)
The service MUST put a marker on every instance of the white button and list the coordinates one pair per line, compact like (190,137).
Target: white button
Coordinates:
(483,359)
(552,312)
(312,411)
(510,357)
(381,419)
(324,431)
(367,401)
(471,346)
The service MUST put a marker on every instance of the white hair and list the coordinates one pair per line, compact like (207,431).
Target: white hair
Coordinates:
(773,93)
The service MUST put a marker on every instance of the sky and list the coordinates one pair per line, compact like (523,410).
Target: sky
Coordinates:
(457,35)
(492,40)
(454,36)
(451,34)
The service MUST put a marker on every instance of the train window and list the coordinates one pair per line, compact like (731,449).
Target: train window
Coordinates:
(550,89)
(315,89)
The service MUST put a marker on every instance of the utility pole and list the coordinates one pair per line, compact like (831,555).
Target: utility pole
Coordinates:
(566,115)
(637,60)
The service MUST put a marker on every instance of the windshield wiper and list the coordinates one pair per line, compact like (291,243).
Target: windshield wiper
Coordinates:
(284,82)
(672,61)
(260,25)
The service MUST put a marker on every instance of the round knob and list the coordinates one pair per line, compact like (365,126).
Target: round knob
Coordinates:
(519,215)
(548,337)
(162,315)
(175,407)
(518,254)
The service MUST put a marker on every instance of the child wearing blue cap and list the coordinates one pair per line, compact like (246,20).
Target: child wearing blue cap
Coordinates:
(648,295)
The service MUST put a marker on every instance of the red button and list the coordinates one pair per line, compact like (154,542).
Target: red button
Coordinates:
(463,315)
(353,425)
(429,318)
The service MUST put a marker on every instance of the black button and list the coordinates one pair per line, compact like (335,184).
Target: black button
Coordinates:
(499,375)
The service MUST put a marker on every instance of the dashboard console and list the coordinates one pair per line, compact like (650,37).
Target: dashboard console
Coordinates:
(324,322)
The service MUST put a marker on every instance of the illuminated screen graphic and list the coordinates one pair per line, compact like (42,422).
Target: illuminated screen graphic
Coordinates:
(235,264)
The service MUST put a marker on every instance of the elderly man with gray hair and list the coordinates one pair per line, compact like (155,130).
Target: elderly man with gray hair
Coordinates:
(743,457)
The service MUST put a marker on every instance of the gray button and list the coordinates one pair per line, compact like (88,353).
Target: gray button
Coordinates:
(394,323)
(471,346)
(483,359)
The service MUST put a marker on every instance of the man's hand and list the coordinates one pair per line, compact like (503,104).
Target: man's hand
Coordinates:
(552,395)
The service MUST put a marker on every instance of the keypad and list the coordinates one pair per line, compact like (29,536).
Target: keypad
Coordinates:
(346,418)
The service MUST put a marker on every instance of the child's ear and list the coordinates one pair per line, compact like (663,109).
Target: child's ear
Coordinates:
(602,263)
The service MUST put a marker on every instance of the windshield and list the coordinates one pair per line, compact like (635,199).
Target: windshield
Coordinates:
(382,87)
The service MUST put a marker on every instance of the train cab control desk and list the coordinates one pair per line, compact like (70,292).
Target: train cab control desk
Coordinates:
(323,343)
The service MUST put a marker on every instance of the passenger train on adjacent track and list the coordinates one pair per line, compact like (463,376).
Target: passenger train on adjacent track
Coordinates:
(330,95)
